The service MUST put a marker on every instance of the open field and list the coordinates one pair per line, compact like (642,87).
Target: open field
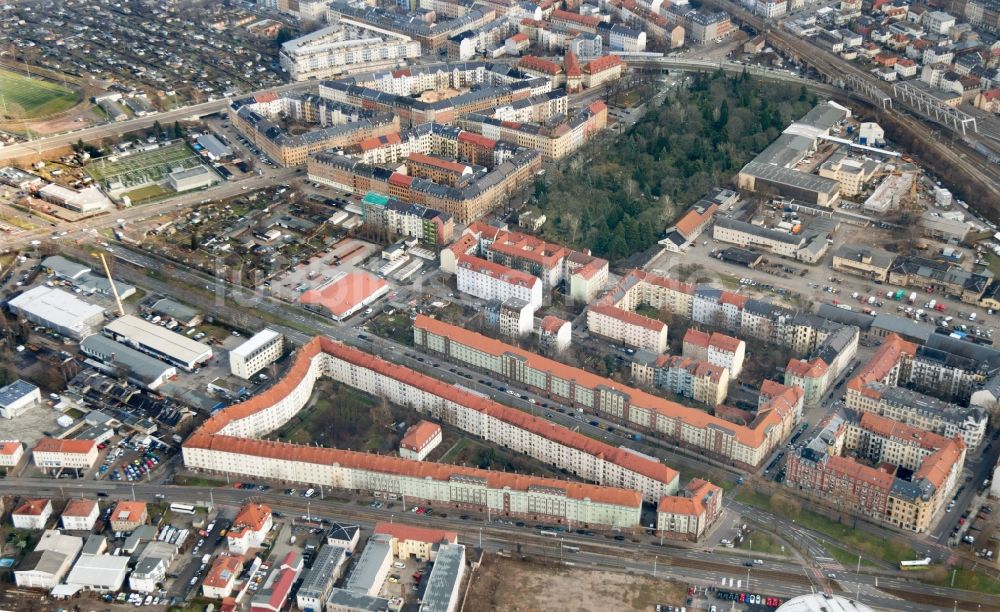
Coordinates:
(140,169)
(148,192)
(29,98)
(873,546)
(512,584)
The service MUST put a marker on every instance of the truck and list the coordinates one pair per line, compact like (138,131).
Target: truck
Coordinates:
(206,558)
(913,297)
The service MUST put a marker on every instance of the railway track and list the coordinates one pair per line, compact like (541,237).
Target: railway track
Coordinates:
(981,190)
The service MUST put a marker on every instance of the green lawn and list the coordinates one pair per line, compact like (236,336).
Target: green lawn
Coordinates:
(970,581)
(994,264)
(197,481)
(29,98)
(870,545)
(147,193)
(761,542)
(848,559)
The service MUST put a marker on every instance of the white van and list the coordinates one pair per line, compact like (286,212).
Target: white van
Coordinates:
(309,492)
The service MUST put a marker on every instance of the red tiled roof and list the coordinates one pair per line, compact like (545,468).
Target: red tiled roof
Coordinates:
(129,511)
(632,318)
(224,569)
(69,446)
(591,268)
(696,337)
(724,342)
(885,359)
(376,142)
(477,139)
(497,271)
(251,518)
(80,507)
(520,37)
(415,534)
(807,369)
(437,162)
(267,96)
(572,65)
(342,295)
(418,435)
(207,436)
(551,324)
(9,447)
(32,507)
(531,62)
(694,417)
(693,220)
(587,20)
(603,63)
(516,244)
(400,180)
(736,299)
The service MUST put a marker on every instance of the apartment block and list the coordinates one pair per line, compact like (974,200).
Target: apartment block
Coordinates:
(343,47)
(686,376)
(488,280)
(716,348)
(743,445)
(902,475)
(60,454)
(262,349)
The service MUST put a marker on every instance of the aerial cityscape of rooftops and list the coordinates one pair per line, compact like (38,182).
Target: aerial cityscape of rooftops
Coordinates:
(445,305)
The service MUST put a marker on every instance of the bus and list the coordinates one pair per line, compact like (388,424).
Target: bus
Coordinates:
(182,508)
(916,564)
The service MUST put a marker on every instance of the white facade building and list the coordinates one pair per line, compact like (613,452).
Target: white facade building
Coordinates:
(487,280)
(263,349)
(17,398)
(343,47)
(32,514)
(58,310)
(80,515)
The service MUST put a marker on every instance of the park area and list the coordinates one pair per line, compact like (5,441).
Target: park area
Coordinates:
(514,584)
(25,97)
(132,172)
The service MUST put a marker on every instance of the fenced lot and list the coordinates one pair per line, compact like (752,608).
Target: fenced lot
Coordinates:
(138,169)
(29,98)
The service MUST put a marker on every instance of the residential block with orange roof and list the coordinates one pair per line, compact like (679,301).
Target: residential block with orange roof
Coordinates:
(31,514)
(221,577)
(58,454)
(747,446)
(129,516)
(419,542)
(420,440)
(250,528)
(903,475)
(11,452)
(80,515)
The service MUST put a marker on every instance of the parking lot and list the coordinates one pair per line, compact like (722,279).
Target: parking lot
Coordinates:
(341,258)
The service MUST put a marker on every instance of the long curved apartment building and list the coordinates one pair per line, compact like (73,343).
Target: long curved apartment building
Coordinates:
(229,442)
(744,445)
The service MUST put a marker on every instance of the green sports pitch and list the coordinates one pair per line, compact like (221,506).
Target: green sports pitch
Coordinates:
(23,97)
(143,168)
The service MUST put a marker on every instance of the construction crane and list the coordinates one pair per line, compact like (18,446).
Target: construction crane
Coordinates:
(114,288)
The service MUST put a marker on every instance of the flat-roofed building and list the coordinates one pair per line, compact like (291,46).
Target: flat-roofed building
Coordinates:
(262,349)
(345,46)
(868,262)
(58,310)
(100,573)
(159,342)
(116,358)
(44,567)
(317,584)
(372,567)
(420,440)
(442,591)
(345,295)
(18,397)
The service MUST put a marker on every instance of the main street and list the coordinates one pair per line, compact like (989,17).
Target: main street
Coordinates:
(226,297)
(702,568)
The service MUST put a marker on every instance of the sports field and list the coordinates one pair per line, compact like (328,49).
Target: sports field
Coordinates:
(140,169)
(31,98)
